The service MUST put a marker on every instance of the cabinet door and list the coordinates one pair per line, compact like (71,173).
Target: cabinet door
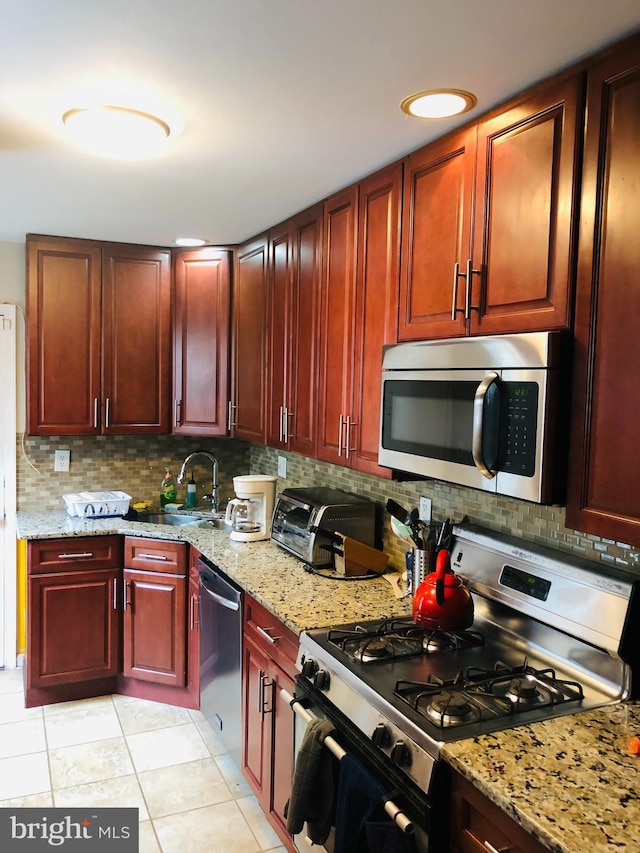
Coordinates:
(376,308)
(201,342)
(604,498)
(436,235)
(193,632)
(280,331)
(136,340)
(249,341)
(63,336)
(283,747)
(256,741)
(74,627)
(524,213)
(154,629)
(337,325)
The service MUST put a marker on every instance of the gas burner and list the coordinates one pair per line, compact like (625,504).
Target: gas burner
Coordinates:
(450,708)
(376,648)
(526,691)
(436,641)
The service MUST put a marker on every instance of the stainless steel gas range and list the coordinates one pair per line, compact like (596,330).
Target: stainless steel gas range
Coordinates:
(552,635)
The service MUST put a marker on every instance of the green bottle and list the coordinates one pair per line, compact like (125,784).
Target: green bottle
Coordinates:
(168,490)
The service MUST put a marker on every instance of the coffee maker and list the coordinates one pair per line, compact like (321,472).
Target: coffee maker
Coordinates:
(249,514)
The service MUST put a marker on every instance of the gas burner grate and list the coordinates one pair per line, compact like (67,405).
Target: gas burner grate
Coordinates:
(476,694)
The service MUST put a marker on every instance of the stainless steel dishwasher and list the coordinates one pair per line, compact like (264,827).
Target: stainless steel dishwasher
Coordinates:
(221,655)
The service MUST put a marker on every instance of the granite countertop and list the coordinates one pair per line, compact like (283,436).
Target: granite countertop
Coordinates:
(277,580)
(568,781)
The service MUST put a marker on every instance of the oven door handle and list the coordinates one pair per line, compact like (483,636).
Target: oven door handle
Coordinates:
(394,812)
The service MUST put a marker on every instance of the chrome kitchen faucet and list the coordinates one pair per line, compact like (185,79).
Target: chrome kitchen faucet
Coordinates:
(213,497)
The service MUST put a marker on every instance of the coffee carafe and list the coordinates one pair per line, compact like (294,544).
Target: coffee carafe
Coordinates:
(249,514)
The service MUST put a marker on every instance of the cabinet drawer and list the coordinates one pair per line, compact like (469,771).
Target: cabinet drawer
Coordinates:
(155,555)
(87,552)
(270,634)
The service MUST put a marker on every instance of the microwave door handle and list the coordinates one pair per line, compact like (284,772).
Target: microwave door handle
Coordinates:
(477,437)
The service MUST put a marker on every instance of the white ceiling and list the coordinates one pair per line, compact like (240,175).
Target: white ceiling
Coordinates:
(275,103)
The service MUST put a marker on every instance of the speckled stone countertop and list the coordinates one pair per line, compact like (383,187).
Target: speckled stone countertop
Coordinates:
(279,581)
(569,781)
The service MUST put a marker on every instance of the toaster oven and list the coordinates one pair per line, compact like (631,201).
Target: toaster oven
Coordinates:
(304,521)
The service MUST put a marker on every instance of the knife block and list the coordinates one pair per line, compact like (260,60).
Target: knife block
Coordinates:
(354,558)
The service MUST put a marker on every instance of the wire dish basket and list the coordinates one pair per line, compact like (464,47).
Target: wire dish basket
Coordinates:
(97,504)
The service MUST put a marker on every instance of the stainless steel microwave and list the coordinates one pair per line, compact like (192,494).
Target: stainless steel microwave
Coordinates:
(488,412)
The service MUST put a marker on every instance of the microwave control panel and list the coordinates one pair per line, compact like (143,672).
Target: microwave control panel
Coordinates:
(519,419)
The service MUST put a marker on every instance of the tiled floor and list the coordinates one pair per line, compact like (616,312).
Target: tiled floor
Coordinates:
(117,751)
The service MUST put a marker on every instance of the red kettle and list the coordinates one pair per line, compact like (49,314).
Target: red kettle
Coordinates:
(442,602)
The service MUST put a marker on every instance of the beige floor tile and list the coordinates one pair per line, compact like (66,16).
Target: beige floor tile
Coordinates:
(164,747)
(76,704)
(82,724)
(211,738)
(260,826)
(29,801)
(147,841)
(121,792)
(170,790)
(89,762)
(232,776)
(22,738)
(23,775)
(12,709)
(11,681)
(143,716)
(216,828)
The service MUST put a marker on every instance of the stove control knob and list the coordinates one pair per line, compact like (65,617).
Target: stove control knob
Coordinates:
(381,736)
(321,680)
(400,754)
(309,668)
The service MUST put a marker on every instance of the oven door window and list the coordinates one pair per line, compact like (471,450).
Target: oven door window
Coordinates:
(431,418)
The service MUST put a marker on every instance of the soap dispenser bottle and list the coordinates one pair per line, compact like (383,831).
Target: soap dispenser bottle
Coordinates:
(192,498)
(168,489)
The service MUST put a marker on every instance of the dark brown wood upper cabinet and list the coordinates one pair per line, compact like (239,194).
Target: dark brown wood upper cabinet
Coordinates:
(604,498)
(98,338)
(201,341)
(489,222)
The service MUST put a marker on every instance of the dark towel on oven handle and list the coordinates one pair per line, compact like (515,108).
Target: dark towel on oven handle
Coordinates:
(312,792)
(362,825)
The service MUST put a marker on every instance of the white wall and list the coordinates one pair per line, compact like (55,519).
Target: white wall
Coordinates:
(12,289)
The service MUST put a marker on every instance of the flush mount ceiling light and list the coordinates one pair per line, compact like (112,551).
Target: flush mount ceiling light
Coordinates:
(189,241)
(438,103)
(117,131)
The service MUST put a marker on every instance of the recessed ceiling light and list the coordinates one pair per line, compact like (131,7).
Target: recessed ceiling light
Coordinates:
(438,103)
(117,131)
(189,241)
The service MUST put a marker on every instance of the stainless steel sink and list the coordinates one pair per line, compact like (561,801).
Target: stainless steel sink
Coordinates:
(175,520)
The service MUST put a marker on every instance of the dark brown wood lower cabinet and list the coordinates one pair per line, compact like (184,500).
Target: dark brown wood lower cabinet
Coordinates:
(477,825)
(267,753)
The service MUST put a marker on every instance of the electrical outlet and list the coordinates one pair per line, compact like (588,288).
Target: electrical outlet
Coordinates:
(425,509)
(62,460)
(282,466)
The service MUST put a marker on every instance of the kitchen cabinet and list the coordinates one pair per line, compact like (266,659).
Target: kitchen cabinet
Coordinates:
(202,304)
(73,624)
(477,825)
(269,653)
(154,617)
(98,344)
(489,221)
(247,409)
(605,466)
(359,303)
(295,261)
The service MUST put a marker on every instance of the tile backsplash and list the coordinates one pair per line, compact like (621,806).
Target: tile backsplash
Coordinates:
(136,465)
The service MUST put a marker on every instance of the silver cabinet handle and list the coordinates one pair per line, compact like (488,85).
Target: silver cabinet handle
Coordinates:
(478,424)
(287,433)
(282,434)
(348,424)
(260,690)
(107,413)
(126,598)
(193,621)
(95,413)
(264,633)
(231,423)
(177,412)
(85,555)
(468,307)
(158,557)
(493,849)
(340,428)
(115,594)
(454,301)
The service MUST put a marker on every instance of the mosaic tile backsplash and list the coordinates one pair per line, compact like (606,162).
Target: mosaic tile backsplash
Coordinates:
(136,465)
